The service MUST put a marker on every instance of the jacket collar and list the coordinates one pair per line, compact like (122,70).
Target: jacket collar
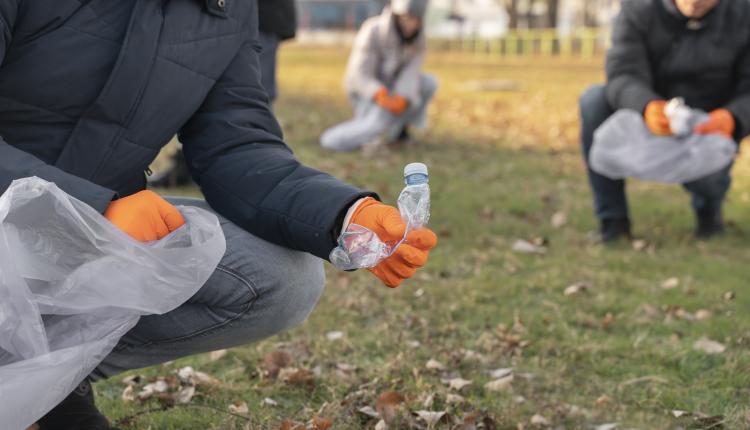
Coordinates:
(714,18)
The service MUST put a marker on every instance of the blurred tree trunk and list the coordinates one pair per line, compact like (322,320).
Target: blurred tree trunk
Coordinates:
(511,6)
(552,8)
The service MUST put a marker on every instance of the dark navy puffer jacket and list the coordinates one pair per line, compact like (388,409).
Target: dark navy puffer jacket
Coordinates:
(659,54)
(89,93)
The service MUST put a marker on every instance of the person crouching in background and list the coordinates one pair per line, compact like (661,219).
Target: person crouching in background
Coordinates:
(384,80)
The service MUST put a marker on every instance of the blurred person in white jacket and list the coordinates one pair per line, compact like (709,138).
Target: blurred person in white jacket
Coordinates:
(384,80)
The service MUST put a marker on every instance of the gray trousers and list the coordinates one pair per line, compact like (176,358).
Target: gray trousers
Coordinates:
(259,289)
(372,121)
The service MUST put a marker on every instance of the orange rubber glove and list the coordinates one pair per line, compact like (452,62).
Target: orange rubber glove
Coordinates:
(720,121)
(656,119)
(144,216)
(386,222)
(394,104)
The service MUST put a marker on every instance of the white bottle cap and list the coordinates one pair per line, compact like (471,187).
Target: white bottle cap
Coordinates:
(415,168)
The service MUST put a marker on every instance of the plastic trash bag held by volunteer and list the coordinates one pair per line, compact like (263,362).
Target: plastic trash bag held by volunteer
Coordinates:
(698,50)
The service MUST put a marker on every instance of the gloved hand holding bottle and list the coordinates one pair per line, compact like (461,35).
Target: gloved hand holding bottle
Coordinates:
(144,216)
(391,243)
(656,118)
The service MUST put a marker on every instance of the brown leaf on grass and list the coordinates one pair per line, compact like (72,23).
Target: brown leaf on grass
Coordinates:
(526,247)
(269,402)
(577,288)
(430,418)
(457,384)
(728,296)
(217,355)
(184,395)
(703,314)
(128,394)
(559,219)
(500,384)
(274,361)
(475,421)
(607,321)
(603,401)
(368,411)
(433,364)
(321,423)
(709,346)
(388,404)
(539,421)
(335,335)
(132,380)
(295,376)
(238,407)
(454,399)
(640,245)
(670,283)
(292,425)
(608,426)
(149,390)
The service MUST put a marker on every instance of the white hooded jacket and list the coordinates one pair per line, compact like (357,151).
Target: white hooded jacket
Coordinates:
(380,58)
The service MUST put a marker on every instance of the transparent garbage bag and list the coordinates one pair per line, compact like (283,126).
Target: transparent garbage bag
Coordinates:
(72,284)
(624,147)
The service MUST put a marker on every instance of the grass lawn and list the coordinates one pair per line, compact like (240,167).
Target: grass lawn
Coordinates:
(503,165)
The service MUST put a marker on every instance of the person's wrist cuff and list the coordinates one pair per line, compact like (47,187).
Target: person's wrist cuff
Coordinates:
(350,213)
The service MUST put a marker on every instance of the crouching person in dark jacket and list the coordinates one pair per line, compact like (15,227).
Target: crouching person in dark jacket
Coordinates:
(91,90)
(695,49)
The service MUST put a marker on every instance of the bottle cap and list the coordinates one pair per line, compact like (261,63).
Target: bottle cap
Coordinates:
(415,168)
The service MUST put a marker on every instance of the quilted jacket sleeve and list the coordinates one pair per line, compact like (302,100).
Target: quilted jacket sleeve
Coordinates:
(236,154)
(629,76)
(740,105)
(16,164)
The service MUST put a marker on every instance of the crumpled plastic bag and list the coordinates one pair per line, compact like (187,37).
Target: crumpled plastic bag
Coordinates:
(72,284)
(624,147)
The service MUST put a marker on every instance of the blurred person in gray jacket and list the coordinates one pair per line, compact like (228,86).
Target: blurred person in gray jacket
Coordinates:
(384,80)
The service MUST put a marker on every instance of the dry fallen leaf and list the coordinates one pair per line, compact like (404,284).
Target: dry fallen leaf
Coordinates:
(728,296)
(607,321)
(670,284)
(609,426)
(185,395)
(526,247)
(321,423)
(640,245)
(501,384)
(457,383)
(578,288)
(430,418)
(292,425)
(433,364)
(709,346)
(128,394)
(381,425)
(679,414)
(269,402)
(603,400)
(703,314)
(559,219)
(294,376)
(335,335)
(238,407)
(454,399)
(538,420)
(217,355)
(369,411)
(388,404)
(274,361)
(132,380)
(501,373)
(160,386)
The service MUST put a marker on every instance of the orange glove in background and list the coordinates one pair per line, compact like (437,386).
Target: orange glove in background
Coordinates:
(386,222)
(144,216)
(656,119)
(394,104)
(720,121)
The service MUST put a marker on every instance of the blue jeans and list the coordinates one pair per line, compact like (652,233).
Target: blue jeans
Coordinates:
(609,195)
(259,289)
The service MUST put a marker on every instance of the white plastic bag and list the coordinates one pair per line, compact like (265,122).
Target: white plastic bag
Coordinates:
(624,147)
(72,284)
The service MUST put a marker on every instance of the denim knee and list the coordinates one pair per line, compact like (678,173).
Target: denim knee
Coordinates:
(594,109)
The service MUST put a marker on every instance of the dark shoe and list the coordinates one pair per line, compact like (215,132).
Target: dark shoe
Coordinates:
(710,223)
(76,412)
(614,229)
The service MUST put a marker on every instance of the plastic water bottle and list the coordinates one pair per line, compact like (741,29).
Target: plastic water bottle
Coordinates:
(414,201)
(682,118)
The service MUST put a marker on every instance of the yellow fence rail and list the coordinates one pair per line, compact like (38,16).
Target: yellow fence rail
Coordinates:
(580,43)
